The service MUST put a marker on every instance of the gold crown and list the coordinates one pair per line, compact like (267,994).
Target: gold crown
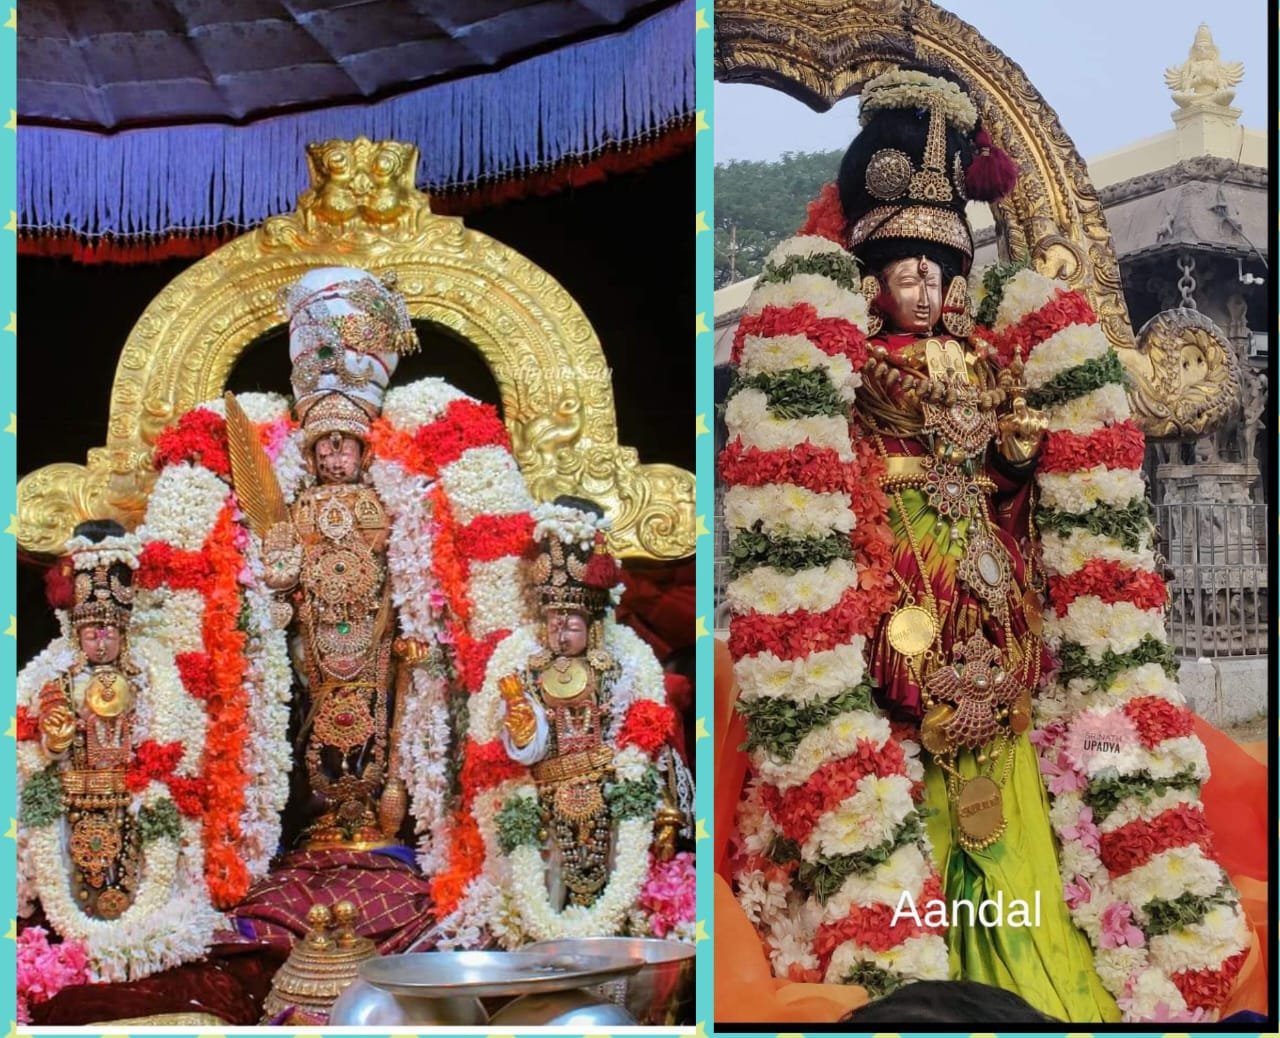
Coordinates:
(330,413)
(928,223)
(101,597)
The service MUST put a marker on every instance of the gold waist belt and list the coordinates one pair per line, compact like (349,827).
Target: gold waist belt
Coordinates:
(908,470)
(104,788)
(579,764)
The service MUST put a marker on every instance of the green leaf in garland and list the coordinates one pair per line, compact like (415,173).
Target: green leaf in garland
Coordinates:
(826,876)
(158,821)
(750,549)
(41,799)
(878,982)
(840,267)
(1076,662)
(1076,382)
(1107,790)
(795,393)
(1183,911)
(777,725)
(994,280)
(633,798)
(1131,524)
(518,822)
(783,851)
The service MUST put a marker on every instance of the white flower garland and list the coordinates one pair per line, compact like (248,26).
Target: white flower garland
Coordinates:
(910,88)
(569,525)
(749,421)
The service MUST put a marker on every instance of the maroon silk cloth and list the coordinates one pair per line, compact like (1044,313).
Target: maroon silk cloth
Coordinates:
(1009,511)
(393,898)
(231,982)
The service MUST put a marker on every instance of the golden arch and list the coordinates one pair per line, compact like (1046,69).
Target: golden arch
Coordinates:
(543,353)
(820,51)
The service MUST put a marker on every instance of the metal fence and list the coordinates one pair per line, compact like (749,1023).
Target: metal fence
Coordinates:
(1218,555)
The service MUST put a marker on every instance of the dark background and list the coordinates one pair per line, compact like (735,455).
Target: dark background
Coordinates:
(623,248)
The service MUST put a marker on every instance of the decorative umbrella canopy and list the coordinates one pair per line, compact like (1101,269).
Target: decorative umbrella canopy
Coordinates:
(150,118)
(135,62)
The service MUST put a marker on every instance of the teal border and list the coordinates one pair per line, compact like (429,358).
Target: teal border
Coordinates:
(8,508)
(704,456)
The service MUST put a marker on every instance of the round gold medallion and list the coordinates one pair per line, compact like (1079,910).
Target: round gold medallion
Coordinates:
(112,903)
(911,630)
(107,693)
(565,679)
(1031,610)
(980,812)
(933,729)
(1020,713)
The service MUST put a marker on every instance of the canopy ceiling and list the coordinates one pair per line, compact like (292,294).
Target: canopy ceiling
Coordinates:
(103,66)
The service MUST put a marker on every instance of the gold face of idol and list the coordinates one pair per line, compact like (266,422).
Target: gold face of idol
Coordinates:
(338,458)
(911,295)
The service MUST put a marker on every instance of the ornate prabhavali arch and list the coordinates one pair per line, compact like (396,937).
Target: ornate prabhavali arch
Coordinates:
(1183,375)
(362,209)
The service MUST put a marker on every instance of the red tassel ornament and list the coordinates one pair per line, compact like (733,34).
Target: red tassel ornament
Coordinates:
(992,173)
(602,568)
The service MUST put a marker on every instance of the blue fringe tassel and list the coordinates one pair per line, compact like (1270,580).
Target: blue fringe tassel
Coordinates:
(568,103)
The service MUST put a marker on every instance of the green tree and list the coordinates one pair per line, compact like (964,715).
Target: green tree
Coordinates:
(758,204)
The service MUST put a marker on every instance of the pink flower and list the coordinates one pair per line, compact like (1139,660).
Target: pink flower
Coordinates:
(1042,738)
(1083,830)
(1062,778)
(1118,930)
(274,436)
(44,969)
(1163,1013)
(668,895)
(1077,892)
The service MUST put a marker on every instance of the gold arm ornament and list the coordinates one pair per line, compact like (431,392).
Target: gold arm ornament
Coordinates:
(519,721)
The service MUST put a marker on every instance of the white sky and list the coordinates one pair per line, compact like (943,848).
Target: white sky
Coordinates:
(1099,63)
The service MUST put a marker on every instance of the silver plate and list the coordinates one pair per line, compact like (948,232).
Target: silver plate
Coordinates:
(483,974)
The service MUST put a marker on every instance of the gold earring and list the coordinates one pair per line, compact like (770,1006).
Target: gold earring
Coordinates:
(956,316)
(870,289)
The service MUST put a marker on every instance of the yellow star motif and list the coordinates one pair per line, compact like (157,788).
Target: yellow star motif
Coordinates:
(700,122)
(887,1034)
(701,325)
(12,730)
(12,225)
(700,430)
(12,124)
(12,630)
(700,631)
(13,829)
(13,525)
(12,935)
(701,23)
(12,326)
(13,1029)
(12,427)
(700,729)
(700,223)
(790,1034)
(12,23)
(699,531)
(700,830)
(700,931)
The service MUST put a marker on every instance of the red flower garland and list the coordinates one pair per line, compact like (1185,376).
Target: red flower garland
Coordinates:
(490,537)
(466,859)
(484,765)
(1110,581)
(1137,842)
(160,564)
(227,712)
(1158,719)
(815,468)
(647,725)
(188,794)
(790,636)
(196,671)
(465,424)
(1209,988)
(28,726)
(834,336)
(151,760)
(1119,446)
(1064,310)
(391,444)
(199,437)
(798,810)
(872,926)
